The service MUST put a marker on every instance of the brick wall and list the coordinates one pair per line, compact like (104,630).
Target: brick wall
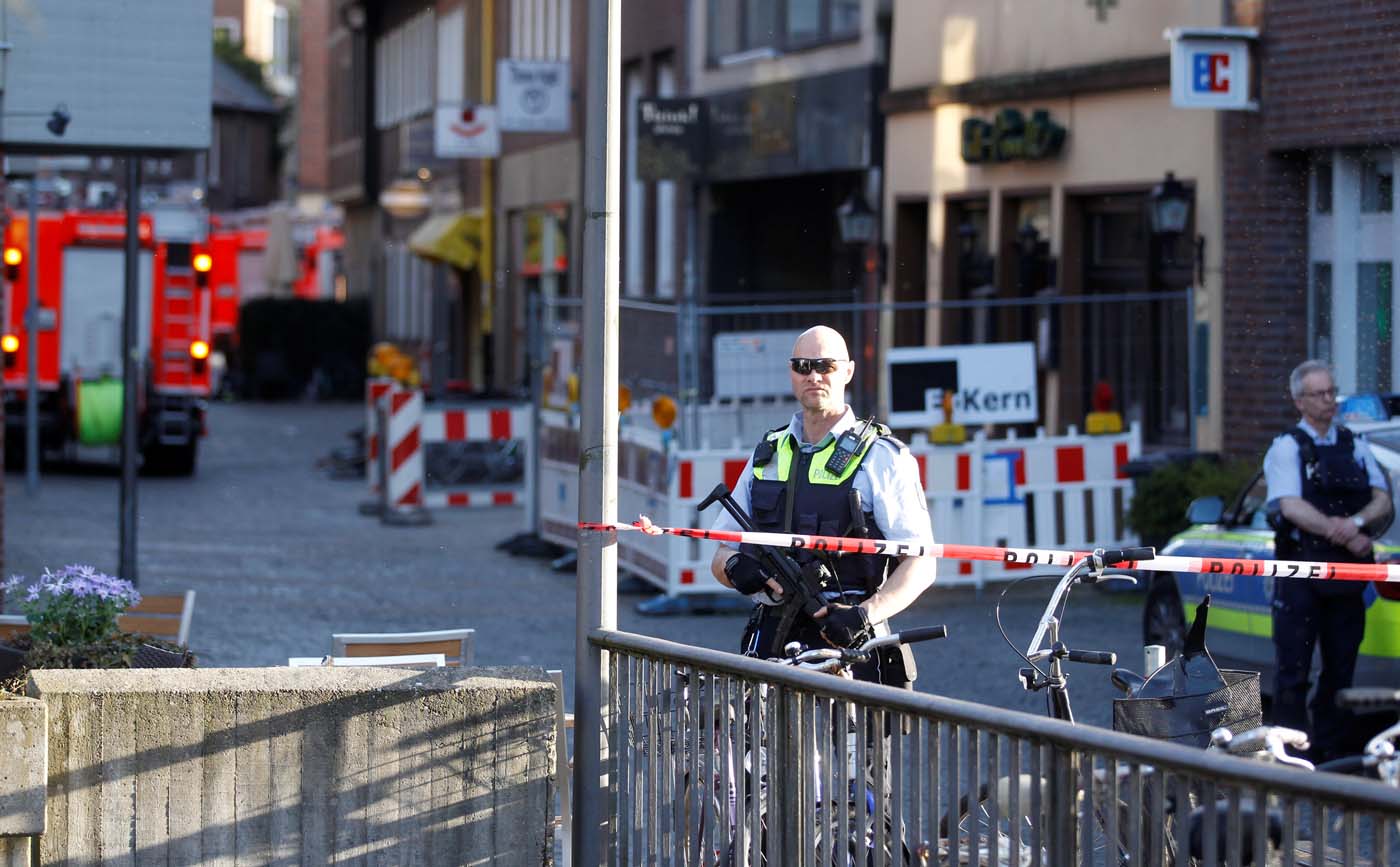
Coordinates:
(313,97)
(1328,75)
(1266,224)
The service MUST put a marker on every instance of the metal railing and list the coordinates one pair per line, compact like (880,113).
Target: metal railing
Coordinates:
(718,759)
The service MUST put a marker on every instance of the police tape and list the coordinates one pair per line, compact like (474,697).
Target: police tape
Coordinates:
(1027,557)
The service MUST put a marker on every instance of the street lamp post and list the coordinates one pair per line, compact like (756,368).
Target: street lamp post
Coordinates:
(859,227)
(1169,212)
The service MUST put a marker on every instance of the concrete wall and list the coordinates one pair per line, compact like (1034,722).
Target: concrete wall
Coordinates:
(23,767)
(309,765)
(953,41)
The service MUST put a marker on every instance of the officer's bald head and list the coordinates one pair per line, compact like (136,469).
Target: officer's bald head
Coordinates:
(821,341)
(820,392)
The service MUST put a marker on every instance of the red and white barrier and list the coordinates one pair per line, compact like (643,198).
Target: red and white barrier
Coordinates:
(404,444)
(1043,492)
(413,425)
(375,390)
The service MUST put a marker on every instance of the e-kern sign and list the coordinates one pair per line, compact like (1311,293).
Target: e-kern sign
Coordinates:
(991,384)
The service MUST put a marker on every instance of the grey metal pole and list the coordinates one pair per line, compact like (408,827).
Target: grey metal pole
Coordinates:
(597,552)
(1191,362)
(534,368)
(31,322)
(132,373)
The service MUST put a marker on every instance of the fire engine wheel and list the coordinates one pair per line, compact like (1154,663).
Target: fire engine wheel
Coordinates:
(172,460)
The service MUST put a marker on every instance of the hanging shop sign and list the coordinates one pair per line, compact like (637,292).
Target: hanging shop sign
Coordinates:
(466,132)
(533,95)
(670,138)
(1210,67)
(1011,136)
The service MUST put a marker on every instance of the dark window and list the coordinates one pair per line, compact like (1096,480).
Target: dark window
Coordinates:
(177,255)
(1321,331)
(1322,188)
(738,26)
(1373,336)
(1377,184)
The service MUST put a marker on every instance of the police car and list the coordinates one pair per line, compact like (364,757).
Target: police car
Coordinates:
(1241,626)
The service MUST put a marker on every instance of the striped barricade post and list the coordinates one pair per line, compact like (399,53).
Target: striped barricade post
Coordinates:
(403,444)
(499,424)
(696,474)
(376,388)
(952,478)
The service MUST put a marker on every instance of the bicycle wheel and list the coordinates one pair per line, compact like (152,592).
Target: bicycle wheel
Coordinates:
(987,824)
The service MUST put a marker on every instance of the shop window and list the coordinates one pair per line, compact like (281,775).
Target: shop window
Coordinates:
(1373,331)
(804,22)
(1322,185)
(1377,183)
(666,201)
(1320,312)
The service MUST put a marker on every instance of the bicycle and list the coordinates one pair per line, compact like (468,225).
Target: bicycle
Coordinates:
(1120,834)
(844,831)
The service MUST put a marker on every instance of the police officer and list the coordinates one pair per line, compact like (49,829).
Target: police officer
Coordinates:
(829,473)
(1325,492)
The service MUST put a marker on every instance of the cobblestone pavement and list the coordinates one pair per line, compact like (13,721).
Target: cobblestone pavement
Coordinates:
(280,559)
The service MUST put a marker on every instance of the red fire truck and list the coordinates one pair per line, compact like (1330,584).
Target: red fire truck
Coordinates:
(81,272)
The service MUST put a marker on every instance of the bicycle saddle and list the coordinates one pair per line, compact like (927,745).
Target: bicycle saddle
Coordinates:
(1128,681)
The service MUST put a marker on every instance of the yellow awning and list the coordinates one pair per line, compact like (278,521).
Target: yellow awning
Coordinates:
(451,238)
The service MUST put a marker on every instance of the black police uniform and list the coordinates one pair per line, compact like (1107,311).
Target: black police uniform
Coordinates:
(784,499)
(1327,613)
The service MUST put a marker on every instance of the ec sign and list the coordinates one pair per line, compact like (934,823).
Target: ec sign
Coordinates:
(1210,68)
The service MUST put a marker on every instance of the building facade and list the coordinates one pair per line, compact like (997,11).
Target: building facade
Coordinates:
(1310,217)
(454,249)
(794,135)
(1022,154)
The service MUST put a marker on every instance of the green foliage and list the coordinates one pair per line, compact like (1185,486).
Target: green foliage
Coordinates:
(75,605)
(231,53)
(1158,508)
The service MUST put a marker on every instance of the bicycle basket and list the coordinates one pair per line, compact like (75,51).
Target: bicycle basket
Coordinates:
(1189,719)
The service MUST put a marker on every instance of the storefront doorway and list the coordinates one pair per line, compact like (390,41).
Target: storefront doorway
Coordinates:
(1138,347)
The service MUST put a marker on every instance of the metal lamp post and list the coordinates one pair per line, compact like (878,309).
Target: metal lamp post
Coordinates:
(859,226)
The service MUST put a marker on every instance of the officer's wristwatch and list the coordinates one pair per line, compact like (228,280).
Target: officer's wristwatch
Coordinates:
(1359,521)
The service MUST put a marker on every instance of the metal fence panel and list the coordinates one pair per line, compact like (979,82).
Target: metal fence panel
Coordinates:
(725,760)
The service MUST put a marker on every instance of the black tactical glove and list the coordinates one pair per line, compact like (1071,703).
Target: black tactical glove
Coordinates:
(746,573)
(846,625)
(817,576)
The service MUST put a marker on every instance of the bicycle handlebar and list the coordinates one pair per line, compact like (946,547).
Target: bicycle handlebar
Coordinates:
(1093,657)
(821,657)
(922,633)
(1115,556)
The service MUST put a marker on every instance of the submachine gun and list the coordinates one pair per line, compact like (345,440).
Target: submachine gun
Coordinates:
(803,586)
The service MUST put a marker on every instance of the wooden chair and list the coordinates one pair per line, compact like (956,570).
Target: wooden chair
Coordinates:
(407,660)
(12,625)
(563,823)
(454,644)
(166,617)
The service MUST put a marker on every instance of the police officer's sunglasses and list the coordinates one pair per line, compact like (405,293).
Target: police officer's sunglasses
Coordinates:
(804,366)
